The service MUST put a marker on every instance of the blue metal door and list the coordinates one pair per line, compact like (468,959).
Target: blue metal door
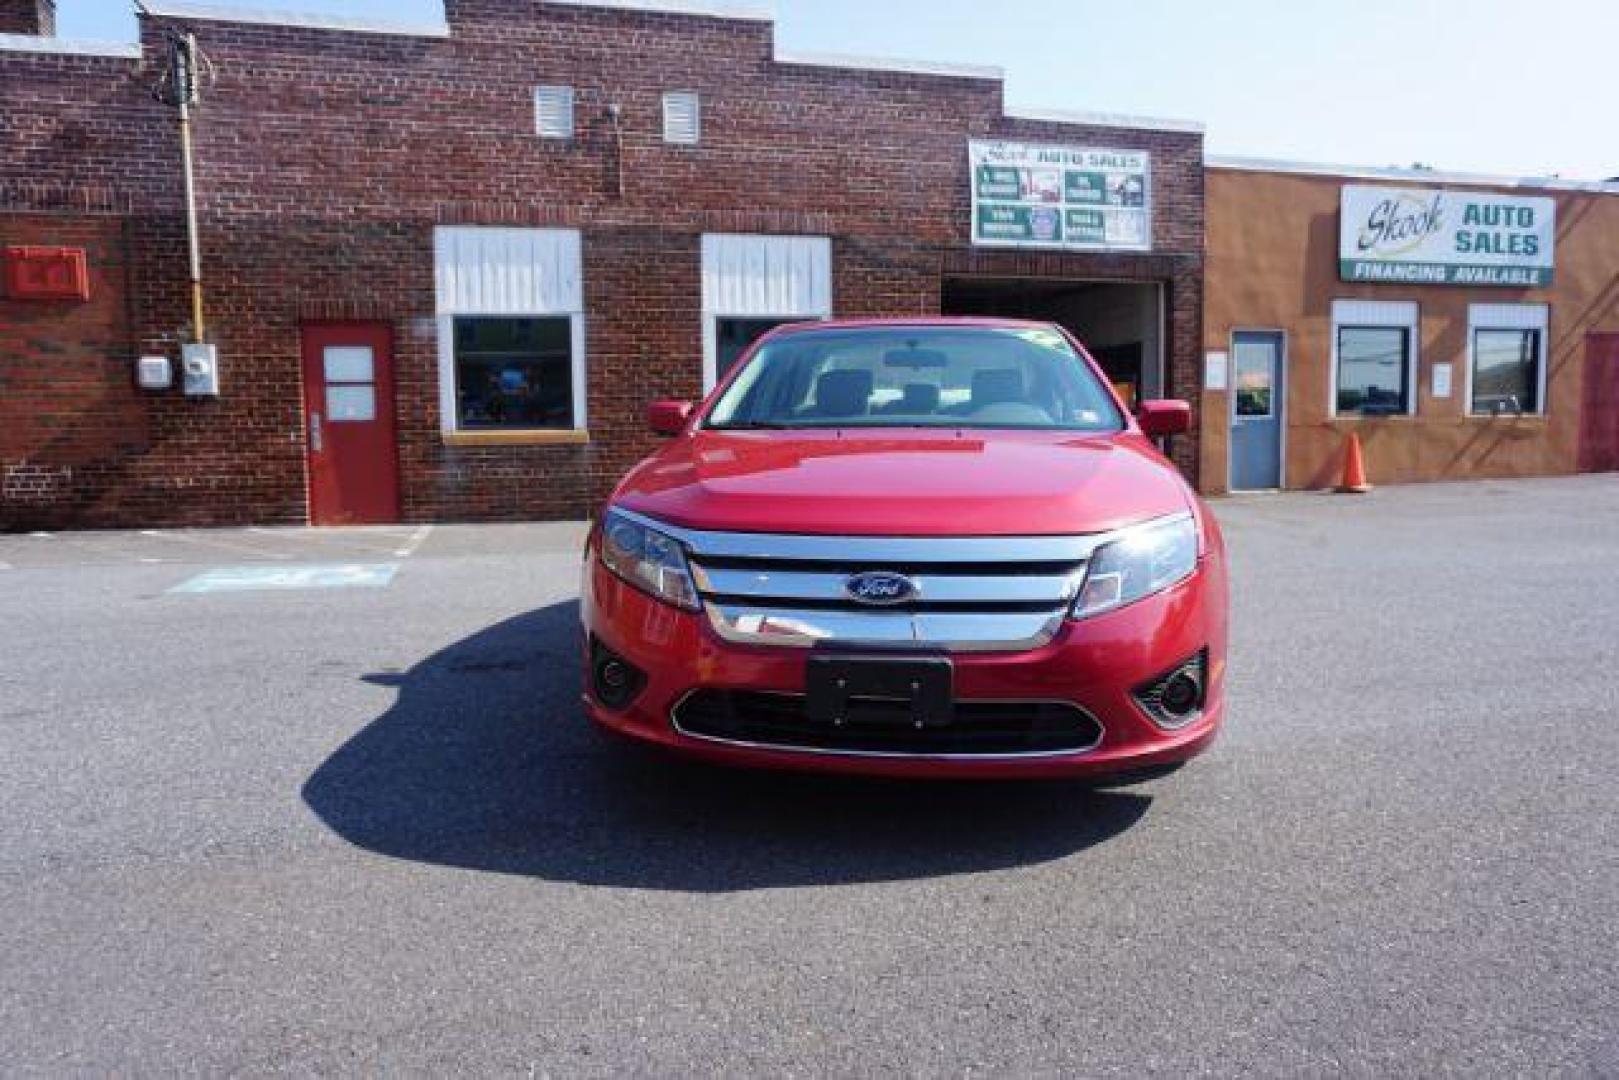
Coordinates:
(1257,403)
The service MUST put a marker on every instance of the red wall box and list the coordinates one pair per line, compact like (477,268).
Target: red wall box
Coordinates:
(46,273)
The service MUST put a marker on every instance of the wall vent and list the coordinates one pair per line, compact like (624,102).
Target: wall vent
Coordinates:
(553,112)
(682,118)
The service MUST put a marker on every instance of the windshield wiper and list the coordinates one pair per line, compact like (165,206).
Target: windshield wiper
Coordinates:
(750,425)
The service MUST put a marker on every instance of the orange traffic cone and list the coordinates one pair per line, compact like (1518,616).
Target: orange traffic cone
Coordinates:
(1354,468)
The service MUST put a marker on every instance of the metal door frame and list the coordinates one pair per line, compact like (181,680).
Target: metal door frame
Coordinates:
(391,350)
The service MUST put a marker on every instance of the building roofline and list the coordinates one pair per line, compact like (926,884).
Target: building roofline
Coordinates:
(1106,119)
(1425,176)
(889,64)
(712,9)
(33,43)
(717,9)
(184,9)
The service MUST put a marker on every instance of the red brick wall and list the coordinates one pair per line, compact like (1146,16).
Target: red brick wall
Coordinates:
(28,17)
(71,362)
(325,159)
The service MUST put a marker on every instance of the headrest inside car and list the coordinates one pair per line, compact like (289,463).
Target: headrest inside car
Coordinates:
(843,393)
(920,399)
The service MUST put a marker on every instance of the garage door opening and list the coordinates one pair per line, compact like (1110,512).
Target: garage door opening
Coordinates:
(1122,325)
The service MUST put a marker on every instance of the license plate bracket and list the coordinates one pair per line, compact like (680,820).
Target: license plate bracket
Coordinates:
(925,685)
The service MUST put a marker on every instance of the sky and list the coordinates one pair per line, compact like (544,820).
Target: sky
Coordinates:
(1497,86)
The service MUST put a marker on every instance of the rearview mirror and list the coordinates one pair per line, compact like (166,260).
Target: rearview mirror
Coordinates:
(668,417)
(1162,418)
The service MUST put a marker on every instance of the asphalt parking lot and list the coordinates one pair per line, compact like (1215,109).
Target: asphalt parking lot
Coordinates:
(287,800)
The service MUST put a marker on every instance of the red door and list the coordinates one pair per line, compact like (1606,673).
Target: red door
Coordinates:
(1599,411)
(349,417)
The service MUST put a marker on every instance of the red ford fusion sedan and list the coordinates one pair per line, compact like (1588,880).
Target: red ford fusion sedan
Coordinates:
(931,548)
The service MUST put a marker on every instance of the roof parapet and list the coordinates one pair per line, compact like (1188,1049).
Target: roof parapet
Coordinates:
(30,43)
(888,64)
(184,9)
(712,9)
(1421,176)
(1106,119)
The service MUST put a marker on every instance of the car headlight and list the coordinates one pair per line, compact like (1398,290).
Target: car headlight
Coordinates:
(647,559)
(1143,560)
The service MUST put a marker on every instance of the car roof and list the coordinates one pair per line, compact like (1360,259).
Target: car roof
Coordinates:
(934,321)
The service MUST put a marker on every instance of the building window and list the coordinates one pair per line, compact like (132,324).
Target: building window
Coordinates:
(553,112)
(755,283)
(1374,368)
(1374,358)
(1507,365)
(514,374)
(682,118)
(733,337)
(1254,370)
(511,335)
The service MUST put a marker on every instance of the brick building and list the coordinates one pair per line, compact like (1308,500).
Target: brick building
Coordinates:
(449,265)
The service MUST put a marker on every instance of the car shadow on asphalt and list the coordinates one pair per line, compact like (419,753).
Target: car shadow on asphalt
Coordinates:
(486,762)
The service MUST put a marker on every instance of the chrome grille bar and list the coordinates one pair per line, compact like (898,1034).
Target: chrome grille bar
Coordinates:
(976,631)
(878,550)
(971,594)
(829,585)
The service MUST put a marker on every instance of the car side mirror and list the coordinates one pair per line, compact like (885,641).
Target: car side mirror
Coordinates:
(1161,419)
(668,417)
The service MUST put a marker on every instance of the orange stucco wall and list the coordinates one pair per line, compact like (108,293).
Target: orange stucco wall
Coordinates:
(1272,264)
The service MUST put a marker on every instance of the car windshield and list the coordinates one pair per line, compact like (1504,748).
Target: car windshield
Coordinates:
(918,376)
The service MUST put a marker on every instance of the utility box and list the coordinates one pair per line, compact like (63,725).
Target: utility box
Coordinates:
(199,366)
(154,373)
(46,273)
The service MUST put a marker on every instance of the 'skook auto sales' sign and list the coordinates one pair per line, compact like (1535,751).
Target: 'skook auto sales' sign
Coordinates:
(1437,237)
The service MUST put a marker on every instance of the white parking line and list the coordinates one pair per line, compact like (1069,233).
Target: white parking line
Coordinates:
(416,540)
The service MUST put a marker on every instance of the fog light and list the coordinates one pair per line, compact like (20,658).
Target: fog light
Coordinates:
(1176,699)
(1180,694)
(614,680)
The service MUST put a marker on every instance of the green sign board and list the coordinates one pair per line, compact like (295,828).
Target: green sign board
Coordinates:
(1060,197)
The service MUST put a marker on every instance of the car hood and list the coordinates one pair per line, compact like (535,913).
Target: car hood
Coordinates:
(905,483)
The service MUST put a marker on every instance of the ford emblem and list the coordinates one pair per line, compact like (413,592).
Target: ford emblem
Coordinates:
(881,588)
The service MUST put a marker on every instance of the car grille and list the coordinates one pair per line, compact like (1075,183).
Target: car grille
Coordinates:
(884,728)
(967,594)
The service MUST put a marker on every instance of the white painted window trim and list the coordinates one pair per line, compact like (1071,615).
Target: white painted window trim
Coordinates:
(1507,317)
(1393,314)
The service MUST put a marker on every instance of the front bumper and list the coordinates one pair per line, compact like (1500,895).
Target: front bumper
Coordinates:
(1095,664)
